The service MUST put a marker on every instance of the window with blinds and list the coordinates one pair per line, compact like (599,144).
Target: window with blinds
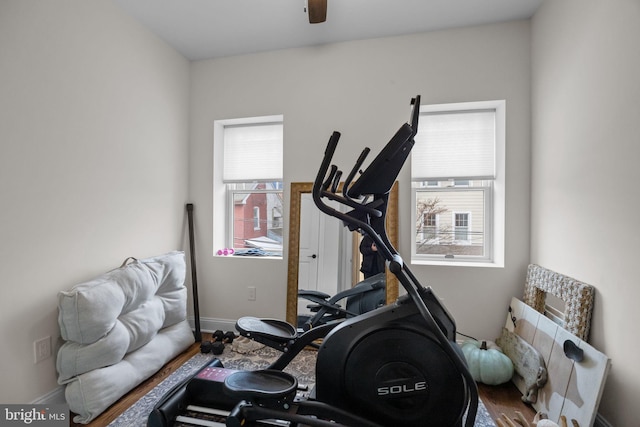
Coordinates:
(251,160)
(457,162)
(253,152)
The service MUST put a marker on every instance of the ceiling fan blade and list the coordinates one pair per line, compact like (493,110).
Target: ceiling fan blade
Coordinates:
(317,10)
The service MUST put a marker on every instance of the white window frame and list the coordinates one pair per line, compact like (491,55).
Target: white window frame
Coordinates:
(256,218)
(494,195)
(469,230)
(222,197)
(436,237)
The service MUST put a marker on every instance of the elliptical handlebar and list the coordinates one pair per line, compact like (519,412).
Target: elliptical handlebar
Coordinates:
(368,217)
(375,181)
(354,170)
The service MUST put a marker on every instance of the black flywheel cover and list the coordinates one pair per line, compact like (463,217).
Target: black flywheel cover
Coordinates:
(403,377)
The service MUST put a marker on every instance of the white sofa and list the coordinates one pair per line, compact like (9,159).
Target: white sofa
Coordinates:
(119,329)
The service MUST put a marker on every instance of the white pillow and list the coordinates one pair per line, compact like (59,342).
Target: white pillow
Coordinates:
(89,394)
(90,310)
(118,312)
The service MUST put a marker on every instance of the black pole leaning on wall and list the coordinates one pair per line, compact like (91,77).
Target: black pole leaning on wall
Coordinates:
(194,279)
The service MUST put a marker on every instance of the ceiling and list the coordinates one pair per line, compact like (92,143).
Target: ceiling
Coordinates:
(203,29)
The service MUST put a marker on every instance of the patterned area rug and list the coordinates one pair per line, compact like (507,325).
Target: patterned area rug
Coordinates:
(302,367)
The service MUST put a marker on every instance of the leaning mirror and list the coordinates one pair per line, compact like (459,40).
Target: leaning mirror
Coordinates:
(335,255)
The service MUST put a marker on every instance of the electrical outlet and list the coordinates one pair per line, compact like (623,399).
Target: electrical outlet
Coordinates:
(41,349)
(252,293)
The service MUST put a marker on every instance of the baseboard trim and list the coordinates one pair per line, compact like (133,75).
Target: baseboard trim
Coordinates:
(208,324)
(600,421)
(54,397)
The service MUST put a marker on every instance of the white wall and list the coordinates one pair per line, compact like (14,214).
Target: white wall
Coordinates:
(93,163)
(363,89)
(585,204)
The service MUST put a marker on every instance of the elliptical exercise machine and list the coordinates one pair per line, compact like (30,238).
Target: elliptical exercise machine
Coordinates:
(397,365)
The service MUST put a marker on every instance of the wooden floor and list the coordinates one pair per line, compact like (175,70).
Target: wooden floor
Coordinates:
(503,399)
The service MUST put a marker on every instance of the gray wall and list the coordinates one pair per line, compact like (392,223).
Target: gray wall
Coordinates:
(586,127)
(93,163)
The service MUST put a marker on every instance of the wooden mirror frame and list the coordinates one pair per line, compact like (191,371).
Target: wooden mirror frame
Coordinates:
(297,189)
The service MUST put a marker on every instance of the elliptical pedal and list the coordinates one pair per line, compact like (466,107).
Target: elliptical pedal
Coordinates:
(275,333)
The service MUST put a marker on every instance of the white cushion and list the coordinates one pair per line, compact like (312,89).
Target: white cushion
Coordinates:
(90,310)
(120,328)
(89,394)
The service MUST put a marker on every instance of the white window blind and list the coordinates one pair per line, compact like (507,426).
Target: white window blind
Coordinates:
(253,152)
(455,144)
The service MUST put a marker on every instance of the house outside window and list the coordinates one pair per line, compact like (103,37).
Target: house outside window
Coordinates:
(457,170)
(249,153)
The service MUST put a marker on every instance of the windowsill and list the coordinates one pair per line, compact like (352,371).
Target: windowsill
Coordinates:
(249,257)
(482,264)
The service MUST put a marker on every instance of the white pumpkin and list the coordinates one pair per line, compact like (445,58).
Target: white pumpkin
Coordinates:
(487,365)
